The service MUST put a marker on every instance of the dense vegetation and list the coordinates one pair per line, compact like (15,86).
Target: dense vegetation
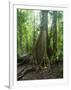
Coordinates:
(40,42)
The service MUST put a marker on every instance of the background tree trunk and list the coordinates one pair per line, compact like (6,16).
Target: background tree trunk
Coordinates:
(54,33)
(34,38)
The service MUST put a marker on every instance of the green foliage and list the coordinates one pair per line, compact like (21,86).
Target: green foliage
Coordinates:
(25,30)
(29,28)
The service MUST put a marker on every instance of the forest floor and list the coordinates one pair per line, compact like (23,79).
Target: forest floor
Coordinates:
(28,72)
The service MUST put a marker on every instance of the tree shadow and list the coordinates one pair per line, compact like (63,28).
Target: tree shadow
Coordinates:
(7,86)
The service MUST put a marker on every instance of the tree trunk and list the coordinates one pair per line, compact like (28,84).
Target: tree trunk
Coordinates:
(40,50)
(26,42)
(54,33)
(34,38)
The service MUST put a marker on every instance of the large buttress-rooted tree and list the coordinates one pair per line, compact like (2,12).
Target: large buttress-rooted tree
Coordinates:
(40,50)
